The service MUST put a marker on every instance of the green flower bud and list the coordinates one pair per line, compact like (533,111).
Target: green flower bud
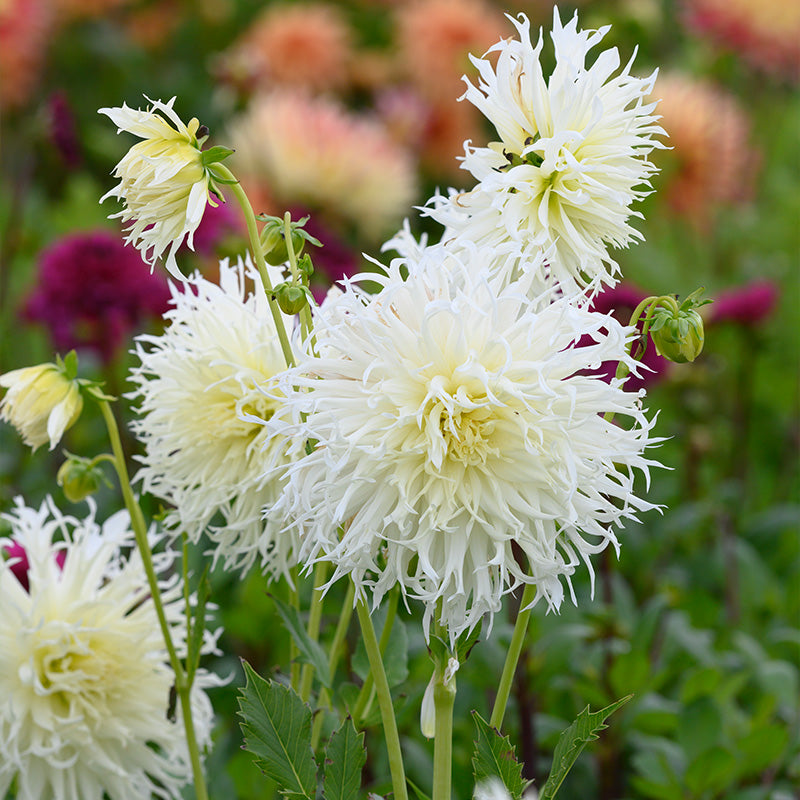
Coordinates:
(291,297)
(677,333)
(273,239)
(79,478)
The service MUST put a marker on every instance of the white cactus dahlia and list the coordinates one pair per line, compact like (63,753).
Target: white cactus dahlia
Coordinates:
(198,386)
(571,159)
(451,422)
(84,673)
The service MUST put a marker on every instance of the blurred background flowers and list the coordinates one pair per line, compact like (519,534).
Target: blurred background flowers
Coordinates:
(348,111)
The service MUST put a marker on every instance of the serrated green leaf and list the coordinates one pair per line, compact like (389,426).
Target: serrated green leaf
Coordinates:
(494,756)
(277,731)
(572,741)
(345,757)
(310,651)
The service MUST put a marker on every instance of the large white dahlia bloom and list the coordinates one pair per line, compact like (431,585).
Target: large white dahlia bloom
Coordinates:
(571,159)
(164,182)
(452,422)
(197,384)
(84,674)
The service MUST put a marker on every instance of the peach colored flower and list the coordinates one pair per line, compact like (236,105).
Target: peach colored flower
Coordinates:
(305,45)
(713,161)
(301,150)
(435,38)
(766,34)
(25,26)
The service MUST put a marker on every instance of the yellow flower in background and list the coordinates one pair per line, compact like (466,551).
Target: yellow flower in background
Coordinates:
(165,181)
(42,401)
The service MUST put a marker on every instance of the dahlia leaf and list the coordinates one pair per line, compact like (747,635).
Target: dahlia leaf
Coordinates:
(494,756)
(277,731)
(572,741)
(310,651)
(345,757)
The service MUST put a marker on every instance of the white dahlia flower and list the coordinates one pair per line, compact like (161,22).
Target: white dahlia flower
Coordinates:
(450,423)
(165,181)
(571,159)
(198,385)
(42,402)
(84,674)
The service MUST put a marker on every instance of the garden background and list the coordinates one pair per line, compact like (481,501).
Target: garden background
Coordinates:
(348,111)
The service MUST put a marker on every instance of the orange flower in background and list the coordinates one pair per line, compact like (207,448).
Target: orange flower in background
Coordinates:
(435,38)
(766,33)
(305,45)
(302,150)
(713,160)
(25,27)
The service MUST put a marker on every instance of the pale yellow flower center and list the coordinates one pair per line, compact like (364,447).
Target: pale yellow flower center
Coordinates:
(467,434)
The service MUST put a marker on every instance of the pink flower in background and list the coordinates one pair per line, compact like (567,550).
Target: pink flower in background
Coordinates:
(750,304)
(435,38)
(21,567)
(305,46)
(765,33)
(25,27)
(294,149)
(713,160)
(93,292)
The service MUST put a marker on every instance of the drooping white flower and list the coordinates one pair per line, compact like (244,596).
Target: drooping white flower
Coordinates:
(165,182)
(84,674)
(213,366)
(42,402)
(450,423)
(571,159)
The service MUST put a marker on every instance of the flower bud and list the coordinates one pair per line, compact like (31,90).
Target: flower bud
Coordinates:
(291,297)
(677,335)
(273,240)
(42,402)
(79,478)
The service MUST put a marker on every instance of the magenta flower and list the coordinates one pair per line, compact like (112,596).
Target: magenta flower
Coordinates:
(93,292)
(20,569)
(750,304)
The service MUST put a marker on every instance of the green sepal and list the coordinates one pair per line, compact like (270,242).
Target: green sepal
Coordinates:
(215,154)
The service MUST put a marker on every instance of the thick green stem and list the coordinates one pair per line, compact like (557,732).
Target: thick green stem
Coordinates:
(182,686)
(314,618)
(385,702)
(258,254)
(365,695)
(444,697)
(512,656)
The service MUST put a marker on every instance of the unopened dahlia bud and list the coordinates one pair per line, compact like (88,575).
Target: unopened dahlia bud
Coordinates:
(291,297)
(79,478)
(677,331)
(165,180)
(42,402)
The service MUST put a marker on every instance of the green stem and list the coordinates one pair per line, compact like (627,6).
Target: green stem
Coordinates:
(314,618)
(385,702)
(443,699)
(512,656)
(139,526)
(258,254)
(305,313)
(294,602)
(363,701)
